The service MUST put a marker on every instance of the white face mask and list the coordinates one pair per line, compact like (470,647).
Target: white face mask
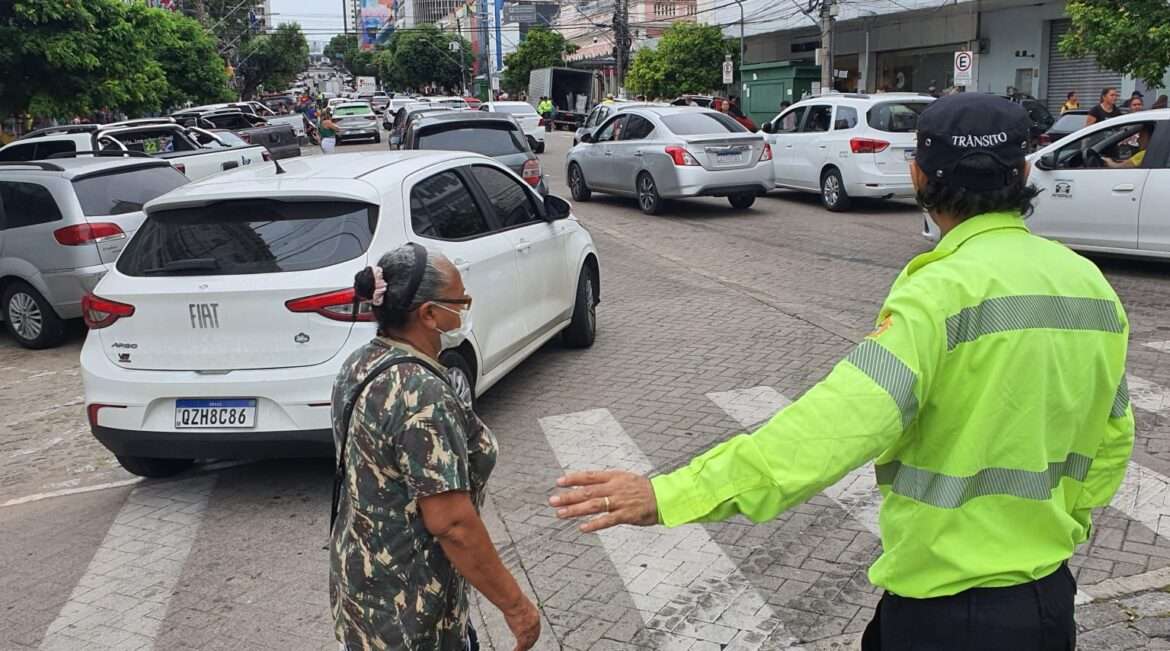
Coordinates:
(452,338)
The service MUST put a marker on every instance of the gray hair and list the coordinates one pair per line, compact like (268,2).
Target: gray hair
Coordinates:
(397,268)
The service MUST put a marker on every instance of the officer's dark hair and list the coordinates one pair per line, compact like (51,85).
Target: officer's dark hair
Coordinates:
(400,269)
(958,202)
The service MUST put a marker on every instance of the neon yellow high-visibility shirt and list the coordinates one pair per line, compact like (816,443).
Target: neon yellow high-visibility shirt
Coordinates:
(992,397)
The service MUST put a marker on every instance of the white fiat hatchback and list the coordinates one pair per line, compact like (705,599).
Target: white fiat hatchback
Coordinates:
(220,330)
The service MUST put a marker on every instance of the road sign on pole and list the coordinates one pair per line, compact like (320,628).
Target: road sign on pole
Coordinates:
(964,68)
(728,71)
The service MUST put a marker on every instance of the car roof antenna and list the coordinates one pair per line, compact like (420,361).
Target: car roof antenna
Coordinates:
(279,169)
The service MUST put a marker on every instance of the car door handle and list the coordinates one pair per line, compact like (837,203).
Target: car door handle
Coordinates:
(523,246)
(823,146)
(609,153)
(638,154)
(229,165)
(1124,187)
(462,265)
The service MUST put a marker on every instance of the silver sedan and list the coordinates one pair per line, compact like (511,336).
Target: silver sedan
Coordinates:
(657,153)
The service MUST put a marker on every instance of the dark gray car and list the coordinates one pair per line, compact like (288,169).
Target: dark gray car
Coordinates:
(496,135)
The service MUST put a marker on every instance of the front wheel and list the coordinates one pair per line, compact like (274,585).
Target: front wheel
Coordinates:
(29,318)
(154,467)
(648,198)
(833,194)
(577,185)
(460,376)
(742,201)
(582,328)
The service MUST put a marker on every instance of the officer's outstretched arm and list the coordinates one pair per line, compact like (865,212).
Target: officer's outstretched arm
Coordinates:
(859,410)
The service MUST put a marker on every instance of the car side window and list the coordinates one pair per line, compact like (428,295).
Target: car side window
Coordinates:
(637,127)
(599,115)
(820,117)
(789,122)
(846,118)
(19,152)
(27,204)
(1120,147)
(442,207)
(511,201)
(610,131)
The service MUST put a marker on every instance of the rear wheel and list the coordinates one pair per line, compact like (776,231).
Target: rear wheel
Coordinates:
(577,185)
(583,327)
(648,199)
(29,318)
(833,194)
(153,466)
(742,201)
(460,375)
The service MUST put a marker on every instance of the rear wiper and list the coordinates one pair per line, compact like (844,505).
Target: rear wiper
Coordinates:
(189,264)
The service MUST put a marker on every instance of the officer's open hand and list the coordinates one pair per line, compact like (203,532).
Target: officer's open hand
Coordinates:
(629,496)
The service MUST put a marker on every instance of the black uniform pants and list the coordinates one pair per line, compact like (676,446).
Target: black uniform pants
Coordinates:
(1036,616)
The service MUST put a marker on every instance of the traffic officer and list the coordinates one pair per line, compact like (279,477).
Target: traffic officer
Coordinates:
(545,108)
(991,393)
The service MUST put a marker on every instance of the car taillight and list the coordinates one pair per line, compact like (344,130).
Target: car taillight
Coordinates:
(867,145)
(681,156)
(337,305)
(246,138)
(100,312)
(87,233)
(767,155)
(542,122)
(266,155)
(531,172)
(181,167)
(91,411)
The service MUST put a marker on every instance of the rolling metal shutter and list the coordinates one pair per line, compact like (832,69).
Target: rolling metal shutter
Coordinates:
(1066,74)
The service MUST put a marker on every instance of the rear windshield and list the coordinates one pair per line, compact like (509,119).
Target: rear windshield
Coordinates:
(516,110)
(1071,122)
(249,237)
(896,117)
(348,111)
(123,192)
(688,124)
(482,139)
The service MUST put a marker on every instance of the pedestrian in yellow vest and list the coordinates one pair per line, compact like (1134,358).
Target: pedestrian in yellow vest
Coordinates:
(991,395)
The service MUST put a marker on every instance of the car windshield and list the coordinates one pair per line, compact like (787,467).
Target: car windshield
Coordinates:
(692,123)
(248,237)
(489,140)
(1070,122)
(515,109)
(350,111)
(126,191)
(896,117)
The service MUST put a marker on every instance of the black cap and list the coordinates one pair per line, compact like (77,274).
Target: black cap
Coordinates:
(958,127)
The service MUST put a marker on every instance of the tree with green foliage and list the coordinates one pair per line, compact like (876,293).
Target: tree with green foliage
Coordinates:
(1128,36)
(541,48)
(272,60)
(344,49)
(65,58)
(689,59)
(422,57)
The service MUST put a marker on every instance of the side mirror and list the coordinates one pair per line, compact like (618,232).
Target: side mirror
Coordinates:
(1047,161)
(586,137)
(556,208)
(768,128)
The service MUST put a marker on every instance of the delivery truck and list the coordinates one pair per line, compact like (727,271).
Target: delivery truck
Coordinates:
(571,91)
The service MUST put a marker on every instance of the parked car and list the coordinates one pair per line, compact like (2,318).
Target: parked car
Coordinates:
(456,103)
(160,138)
(175,367)
(495,135)
(658,153)
(379,101)
(396,105)
(63,222)
(603,111)
(473,103)
(1038,113)
(1068,123)
(356,120)
(525,116)
(847,146)
(405,116)
(1088,205)
(703,101)
(279,139)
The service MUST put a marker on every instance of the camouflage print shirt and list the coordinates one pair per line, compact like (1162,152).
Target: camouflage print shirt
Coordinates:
(390,584)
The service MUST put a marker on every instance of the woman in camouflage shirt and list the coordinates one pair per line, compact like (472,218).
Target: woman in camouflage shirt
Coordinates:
(407,535)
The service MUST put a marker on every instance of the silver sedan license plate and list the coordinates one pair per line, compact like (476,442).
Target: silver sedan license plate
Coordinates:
(191,413)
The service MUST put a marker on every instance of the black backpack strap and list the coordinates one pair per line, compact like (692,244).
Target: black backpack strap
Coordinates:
(382,367)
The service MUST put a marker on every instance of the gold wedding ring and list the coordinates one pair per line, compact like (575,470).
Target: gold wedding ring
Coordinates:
(607,504)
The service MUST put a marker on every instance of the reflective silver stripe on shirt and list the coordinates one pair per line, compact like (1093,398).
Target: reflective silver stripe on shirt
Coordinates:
(890,373)
(948,492)
(1121,400)
(1031,312)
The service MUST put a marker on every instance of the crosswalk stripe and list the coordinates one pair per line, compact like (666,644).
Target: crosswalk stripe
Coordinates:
(680,580)
(1163,346)
(122,598)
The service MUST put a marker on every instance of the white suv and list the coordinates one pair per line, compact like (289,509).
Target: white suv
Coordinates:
(223,324)
(846,146)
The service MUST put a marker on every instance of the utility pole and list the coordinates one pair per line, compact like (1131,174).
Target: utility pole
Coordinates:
(345,18)
(462,58)
(621,34)
(828,11)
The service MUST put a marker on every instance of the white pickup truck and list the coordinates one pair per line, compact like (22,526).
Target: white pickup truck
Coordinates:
(160,138)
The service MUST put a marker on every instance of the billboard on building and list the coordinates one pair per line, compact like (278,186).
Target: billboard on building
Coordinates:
(373,15)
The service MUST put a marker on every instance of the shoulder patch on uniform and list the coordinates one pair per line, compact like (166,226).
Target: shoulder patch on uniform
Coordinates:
(882,327)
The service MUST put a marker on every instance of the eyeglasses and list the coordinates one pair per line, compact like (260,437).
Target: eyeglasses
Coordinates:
(454,301)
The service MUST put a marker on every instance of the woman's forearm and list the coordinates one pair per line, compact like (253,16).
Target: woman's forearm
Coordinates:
(470,549)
